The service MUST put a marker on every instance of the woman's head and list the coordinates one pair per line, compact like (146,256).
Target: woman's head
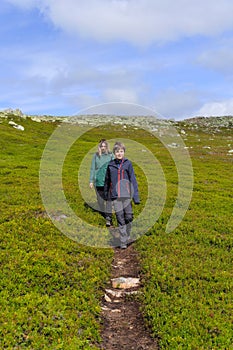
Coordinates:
(103,147)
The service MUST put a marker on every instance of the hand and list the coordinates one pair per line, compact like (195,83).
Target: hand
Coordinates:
(91,185)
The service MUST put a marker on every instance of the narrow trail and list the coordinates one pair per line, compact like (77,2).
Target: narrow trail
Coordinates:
(123,326)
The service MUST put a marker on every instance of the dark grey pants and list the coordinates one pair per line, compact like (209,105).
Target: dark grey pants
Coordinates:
(124,216)
(105,207)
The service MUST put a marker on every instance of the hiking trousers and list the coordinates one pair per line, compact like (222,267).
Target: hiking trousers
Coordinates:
(124,216)
(105,207)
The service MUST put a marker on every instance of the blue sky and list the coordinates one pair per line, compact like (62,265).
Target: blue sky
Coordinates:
(173,57)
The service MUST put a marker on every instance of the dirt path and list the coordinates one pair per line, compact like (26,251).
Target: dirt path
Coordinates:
(123,326)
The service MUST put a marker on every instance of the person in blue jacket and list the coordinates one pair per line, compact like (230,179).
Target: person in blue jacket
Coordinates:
(99,165)
(121,186)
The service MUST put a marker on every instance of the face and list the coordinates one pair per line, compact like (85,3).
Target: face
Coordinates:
(119,154)
(103,147)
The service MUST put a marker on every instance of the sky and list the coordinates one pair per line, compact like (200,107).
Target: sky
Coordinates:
(60,57)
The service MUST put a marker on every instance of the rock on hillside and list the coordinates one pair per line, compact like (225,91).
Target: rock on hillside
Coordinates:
(208,124)
(9,112)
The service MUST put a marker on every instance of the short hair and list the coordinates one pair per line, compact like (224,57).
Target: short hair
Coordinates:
(118,146)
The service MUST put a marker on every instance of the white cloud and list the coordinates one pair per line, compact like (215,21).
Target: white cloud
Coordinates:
(139,22)
(48,68)
(221,108)
(175,104)
(65,78)
(219,59)
(120,94)
(118,108)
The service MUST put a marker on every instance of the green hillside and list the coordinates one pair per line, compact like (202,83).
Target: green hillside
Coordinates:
(51,286)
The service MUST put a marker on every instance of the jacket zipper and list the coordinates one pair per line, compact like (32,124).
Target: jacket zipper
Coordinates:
(119,179)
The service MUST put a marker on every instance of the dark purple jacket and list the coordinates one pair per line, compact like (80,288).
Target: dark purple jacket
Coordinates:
(120,181)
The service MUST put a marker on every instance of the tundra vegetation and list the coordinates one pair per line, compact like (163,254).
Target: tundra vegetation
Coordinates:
(51,286)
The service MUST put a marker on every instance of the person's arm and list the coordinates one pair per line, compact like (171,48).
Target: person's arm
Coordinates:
(92,172)
(134,183)
(107,183)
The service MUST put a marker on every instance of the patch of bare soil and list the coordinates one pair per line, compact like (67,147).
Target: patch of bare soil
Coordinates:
(123,326)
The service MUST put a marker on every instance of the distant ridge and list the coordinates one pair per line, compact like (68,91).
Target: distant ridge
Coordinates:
(194,122)
(211,122)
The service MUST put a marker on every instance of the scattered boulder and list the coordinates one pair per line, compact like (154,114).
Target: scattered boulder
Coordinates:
(36,119)
(19,127)
(12,123)
(173,145)
(16,126)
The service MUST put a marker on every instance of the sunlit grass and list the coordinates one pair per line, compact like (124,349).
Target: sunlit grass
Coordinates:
(52,286)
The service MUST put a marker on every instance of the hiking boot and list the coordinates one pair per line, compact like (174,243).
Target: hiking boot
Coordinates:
(123,246)
(130,240)
(108,223)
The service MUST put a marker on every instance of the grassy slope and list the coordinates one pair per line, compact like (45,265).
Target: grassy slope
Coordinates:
(51,286)
(188,273)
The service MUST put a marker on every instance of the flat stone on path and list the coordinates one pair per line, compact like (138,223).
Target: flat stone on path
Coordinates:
(125,282)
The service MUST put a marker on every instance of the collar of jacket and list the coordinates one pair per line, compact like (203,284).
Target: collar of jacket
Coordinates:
(116,163)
